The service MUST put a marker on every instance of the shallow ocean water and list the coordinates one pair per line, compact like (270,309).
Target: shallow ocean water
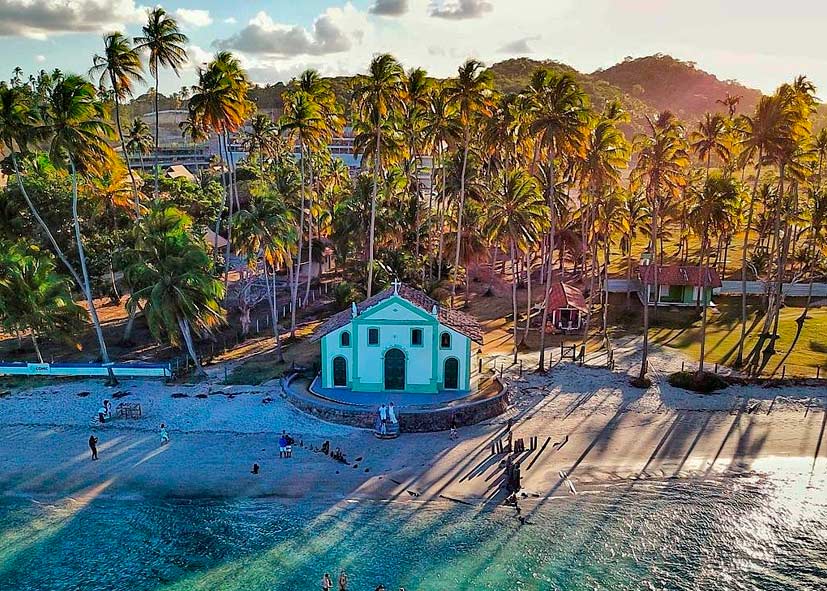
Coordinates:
(724,533)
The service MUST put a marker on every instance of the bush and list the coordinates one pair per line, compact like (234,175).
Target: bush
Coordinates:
(345,293)
(705,382)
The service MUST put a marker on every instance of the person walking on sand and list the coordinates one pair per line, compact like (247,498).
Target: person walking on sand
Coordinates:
(164,434)
(342,581)
(383,419)
(327,584)
(93,445)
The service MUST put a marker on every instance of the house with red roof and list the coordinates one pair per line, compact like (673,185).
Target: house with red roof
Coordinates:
(677,285)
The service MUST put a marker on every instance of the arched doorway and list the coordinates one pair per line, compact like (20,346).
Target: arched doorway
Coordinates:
(450,376)
(394,369)
(339,371)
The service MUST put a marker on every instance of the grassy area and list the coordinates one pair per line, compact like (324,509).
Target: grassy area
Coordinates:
(261,366)
(681,330)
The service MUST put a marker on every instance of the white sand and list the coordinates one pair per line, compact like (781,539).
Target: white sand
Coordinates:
(611,431)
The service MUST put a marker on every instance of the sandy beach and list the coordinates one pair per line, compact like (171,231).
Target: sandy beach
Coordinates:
(591,426)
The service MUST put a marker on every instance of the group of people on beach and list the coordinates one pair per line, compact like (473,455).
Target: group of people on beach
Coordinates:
(286,445)
(105,414)
(327,583)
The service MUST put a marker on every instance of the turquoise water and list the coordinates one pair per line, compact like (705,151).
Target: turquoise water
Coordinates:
(711,534)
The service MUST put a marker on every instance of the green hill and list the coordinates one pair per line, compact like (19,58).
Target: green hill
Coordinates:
(666,83)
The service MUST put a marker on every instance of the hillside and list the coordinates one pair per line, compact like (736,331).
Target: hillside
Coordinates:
(666,83)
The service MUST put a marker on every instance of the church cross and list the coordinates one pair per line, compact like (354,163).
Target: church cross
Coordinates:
(396,283)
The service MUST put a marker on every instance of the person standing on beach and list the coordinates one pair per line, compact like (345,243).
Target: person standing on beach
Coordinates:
(327,584)
(93,445)
(283,445)
(342,581)
(392,414)
(164,434)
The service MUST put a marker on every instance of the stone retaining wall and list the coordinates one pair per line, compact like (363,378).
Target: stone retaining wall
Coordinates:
(415,421)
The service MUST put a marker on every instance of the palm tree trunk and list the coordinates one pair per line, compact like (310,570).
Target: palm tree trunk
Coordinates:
(87,287)
(702,296)
(541,367)
(220,209)
(739,359)
(528,294)
(376,165)
(271,297)
(124,152)
(605,290)
(459,219)
(231,185)
(36,347)
(294,283)
(186,334)
(629,272)
(58,251)
(157,127)
(514,292)
(644,363)
(441,228)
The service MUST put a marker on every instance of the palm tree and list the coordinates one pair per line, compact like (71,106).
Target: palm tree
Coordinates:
(377,96)
(259,137)
(715,211)
(710,138)
(302,122)
(219,104)
(634,216)
(662,160)
(516,216)
(171,275)
(164,42)
(471,91)
(266,229)
(558,111)
(139,139)
(34,298)
(74,118)
(118,68)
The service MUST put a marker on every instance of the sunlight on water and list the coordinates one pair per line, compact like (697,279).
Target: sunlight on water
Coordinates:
(747,533)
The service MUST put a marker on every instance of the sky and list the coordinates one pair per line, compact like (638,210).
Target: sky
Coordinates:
(760,43)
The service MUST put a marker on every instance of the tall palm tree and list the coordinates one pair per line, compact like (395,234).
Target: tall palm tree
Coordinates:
(516,216)
(558,112)
(377,96)
(257,140)
(118,68)
(303,122)
(660,171)
(472,93)
(165,43)
(265,230)
(715,211)
(74,118)
(172,278)
(633,219)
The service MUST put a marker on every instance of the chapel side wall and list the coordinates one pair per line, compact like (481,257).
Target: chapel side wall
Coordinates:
(332,348)
(461,349)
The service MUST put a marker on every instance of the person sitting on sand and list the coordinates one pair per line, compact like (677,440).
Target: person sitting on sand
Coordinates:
(327,584)
(164,434)
(288,448)
(326,447)
(392,414)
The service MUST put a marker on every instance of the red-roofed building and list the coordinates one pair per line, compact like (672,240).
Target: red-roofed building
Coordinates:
(567,306)
(678,285)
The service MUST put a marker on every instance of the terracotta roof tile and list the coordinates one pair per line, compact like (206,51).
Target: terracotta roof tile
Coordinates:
(459,321)
(565,295)
(679,275)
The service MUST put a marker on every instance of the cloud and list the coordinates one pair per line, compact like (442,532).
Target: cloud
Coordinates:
(460,9)
(40,18)
(40,58)
(333,31)
(518,46)
(194,18)
(230,20)
(389,7)
(196,56)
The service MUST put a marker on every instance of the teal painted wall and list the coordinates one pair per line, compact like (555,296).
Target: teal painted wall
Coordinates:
(395,318)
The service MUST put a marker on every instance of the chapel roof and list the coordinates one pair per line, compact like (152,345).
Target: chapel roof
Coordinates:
(459,321)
